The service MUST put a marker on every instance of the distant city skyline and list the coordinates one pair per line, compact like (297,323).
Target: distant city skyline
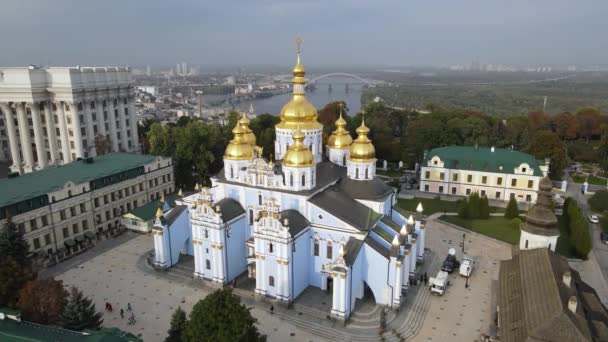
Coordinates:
(335,33)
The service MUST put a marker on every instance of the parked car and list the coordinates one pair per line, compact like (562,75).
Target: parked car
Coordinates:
(593,219)
(439,283)
(466,267)
(450,263)
(604,237)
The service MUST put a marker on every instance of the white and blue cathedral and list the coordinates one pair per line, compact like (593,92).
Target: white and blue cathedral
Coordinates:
(302,220)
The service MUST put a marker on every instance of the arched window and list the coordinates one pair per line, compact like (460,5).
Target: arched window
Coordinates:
(316,248)
(231,172)
(291,179)
(344,160)
(260,199)
(357,173)
(366,173)
(526,244)
(303,179)
(250,216)
(208,264)
(329,252)
(270,248)
(206,234)
(271,281)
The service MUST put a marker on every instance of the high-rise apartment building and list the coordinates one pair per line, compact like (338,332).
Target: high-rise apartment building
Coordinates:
(53,116)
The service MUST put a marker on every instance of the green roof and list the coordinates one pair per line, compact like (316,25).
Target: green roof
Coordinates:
(34,184)
(148,211)
(14,331)
(502,160)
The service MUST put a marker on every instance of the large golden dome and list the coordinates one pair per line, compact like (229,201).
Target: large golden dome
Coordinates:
(340,138)
(362,149)
(298,154)
(298,112)
(248,135)
(238,148)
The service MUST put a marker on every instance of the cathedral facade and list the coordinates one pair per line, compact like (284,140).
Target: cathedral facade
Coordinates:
(303,220)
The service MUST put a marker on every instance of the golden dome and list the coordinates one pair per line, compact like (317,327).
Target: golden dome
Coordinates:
(362,149)
(248,136)
(340,138)
(238,148)
(298,154)
(298,112)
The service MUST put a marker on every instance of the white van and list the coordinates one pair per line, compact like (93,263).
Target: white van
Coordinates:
(466,267)
(439,283)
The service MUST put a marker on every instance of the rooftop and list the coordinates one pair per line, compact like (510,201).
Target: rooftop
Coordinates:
(54,178)
(474,158)
(147,212)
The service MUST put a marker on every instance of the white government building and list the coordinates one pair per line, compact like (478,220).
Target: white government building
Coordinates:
(298,221)
(51,116)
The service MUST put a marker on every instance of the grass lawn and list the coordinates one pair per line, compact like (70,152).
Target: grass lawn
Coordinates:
(433,205)
(591,180)
(497,227)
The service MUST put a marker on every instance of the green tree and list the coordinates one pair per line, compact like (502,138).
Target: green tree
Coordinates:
(604,221)
(13,244)
(580,237)
(183,121)
(599,201)
(463,208)
(474,206)
(12,278)
(79,312)
(221,317)
(546,144)
(516,223)
(178,326)
(41,301)
(512,210)
(484,208)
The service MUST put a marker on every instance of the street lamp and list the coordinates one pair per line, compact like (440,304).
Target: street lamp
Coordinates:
(463,237)
(466,284)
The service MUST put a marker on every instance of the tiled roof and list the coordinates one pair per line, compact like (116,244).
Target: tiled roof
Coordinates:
(147,212)
(296,221)
(51,179)
(229,209)
(338,203)
(483,159)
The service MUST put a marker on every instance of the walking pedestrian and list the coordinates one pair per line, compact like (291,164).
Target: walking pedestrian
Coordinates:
(129,307)
(122,313)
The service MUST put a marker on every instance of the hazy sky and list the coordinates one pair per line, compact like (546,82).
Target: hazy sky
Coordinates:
(335,32)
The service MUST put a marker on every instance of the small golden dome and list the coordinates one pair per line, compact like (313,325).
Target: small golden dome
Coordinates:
(340,138)
(248,136)
(238,148)
(362,149)
(298,154)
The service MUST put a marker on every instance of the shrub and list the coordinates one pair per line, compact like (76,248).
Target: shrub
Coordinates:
(484,208)
(474,206)
(512,210)
(516,223)
(599,201)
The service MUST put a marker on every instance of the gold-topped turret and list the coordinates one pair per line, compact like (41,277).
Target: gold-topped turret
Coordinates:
(298,154)
(159,212)
(340,138)
(362,149)
(298,112)
(248,136)
(238,148)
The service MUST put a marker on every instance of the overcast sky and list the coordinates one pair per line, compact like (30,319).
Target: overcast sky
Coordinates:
(335,32)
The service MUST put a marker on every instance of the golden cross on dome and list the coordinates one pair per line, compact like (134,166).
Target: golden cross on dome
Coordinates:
(299,43)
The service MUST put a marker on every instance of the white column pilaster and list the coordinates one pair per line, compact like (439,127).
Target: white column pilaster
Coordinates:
(77,130)
(12,137)
(279,283)
(112,119)
(123,124)
(38,136)
(49,119)
(101,121)
(24,135)
(88,119)
(413,257)
(134,124)
(63,130)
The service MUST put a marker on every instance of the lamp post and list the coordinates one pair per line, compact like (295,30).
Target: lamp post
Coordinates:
(466,284)
(463,237)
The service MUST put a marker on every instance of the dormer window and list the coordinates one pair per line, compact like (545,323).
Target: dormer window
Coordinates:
(523,169)
(435,162)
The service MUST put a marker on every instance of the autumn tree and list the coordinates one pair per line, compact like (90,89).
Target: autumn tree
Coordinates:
(546,144)
(538,120)
(41,301)
(13,277)
(566,126)
(589,121)
(103,145)
(79,312)
(221,317)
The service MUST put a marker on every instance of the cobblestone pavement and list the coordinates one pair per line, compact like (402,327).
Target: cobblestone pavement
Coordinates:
(112,276)
(463,314)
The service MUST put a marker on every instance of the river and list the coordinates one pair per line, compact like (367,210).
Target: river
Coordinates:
(320,97)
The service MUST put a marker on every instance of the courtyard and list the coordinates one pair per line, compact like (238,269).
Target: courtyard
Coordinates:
(119,274)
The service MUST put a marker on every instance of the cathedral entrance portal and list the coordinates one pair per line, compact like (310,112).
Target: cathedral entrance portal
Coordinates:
(330,285)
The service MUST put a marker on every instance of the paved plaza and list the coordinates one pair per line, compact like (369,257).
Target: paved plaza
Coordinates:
(116,272)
